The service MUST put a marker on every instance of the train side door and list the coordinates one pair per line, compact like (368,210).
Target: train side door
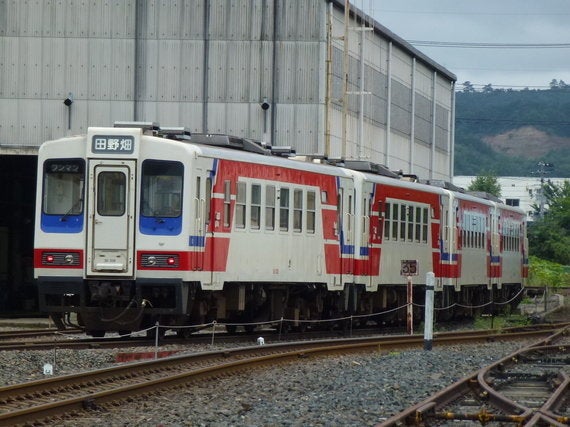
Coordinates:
(368,233)
(111,209)
(495,247)
(345,209)
(446,239)
(201,218)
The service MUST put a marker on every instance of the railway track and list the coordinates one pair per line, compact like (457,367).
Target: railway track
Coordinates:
(20,333)
(530,387)
(51,399)
(67,340)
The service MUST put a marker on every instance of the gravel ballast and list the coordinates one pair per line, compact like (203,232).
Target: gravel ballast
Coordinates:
(351,390)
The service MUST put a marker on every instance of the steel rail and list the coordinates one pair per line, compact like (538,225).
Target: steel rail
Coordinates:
(115,342)
(478,384)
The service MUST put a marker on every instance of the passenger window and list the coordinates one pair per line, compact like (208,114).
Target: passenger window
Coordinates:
(270,207)
(255,206)
(298,210)
(208,199)
(387,220)
(240,205)
(227,203)
(311,210)
(284,209)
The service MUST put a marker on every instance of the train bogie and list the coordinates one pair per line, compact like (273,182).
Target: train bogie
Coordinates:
(141,225)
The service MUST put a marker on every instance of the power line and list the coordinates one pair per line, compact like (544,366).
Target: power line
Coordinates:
(477,45)
(510,121)
(469,13)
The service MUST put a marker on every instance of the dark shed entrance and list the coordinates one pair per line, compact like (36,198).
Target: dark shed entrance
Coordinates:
(18,293)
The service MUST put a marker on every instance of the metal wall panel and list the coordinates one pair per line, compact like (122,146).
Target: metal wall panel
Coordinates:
(77,70)
(301,20)
(401,66)
(168,70)
(191,70)
(441,127)
(53,68)
(3,17)
(217,80)
(147,71)
(236,19)
(29,130)
(423,80)
(237,118)
(238,66)
(54,120)
(296,127)
(444,92)
(190,116)
(9,124)
(192,19)
(100,69)
(298,77)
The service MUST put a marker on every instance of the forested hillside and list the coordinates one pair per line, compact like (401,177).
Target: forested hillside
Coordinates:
(507,132)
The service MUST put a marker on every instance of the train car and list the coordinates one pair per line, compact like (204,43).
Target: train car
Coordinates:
(138,224)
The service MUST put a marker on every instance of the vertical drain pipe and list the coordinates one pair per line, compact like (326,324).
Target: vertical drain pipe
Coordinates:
(205,73)
(273,138)
(136,61)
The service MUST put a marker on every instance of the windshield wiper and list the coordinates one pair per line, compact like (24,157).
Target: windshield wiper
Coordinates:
(73,207)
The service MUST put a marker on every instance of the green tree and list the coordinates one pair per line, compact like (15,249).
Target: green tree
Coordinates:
(487,183)
(468,87)
(549,235)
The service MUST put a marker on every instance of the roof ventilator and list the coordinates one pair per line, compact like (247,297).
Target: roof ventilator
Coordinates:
(370,167)
(147,127)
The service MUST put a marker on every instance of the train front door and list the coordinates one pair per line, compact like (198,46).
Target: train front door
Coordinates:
(111,209)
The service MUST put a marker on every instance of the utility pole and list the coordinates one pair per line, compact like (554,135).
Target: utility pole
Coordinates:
(543,169)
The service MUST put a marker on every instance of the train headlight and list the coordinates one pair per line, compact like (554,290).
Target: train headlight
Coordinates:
(50,259)
(171,261)
(69,258)
(151,260)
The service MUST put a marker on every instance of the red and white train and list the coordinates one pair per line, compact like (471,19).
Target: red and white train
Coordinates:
(136,224)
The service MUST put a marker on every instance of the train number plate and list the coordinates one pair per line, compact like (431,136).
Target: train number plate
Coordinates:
(409,267)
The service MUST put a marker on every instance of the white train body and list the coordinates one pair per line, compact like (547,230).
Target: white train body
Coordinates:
(134,226)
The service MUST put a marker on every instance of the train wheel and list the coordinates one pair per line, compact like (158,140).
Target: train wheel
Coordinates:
(96,334)
(125,333)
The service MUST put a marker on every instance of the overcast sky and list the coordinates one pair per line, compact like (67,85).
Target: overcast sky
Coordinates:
(512,22)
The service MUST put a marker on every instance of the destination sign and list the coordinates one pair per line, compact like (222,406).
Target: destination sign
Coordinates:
(123,144)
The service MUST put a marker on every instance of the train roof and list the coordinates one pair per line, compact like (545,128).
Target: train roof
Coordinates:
(248,150)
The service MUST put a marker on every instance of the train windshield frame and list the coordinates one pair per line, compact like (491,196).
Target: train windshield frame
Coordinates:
(63,187)
(161,189)
(63,193)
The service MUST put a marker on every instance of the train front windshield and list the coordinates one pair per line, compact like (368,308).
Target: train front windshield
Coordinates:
(63,187)
(161,189)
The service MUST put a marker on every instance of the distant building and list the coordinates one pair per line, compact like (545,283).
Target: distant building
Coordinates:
(523,192)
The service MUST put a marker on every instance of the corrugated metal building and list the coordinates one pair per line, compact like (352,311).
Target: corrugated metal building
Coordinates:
(210,65)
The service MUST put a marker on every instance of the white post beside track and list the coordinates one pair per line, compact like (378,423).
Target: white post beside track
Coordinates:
(410,310)
(428,315)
